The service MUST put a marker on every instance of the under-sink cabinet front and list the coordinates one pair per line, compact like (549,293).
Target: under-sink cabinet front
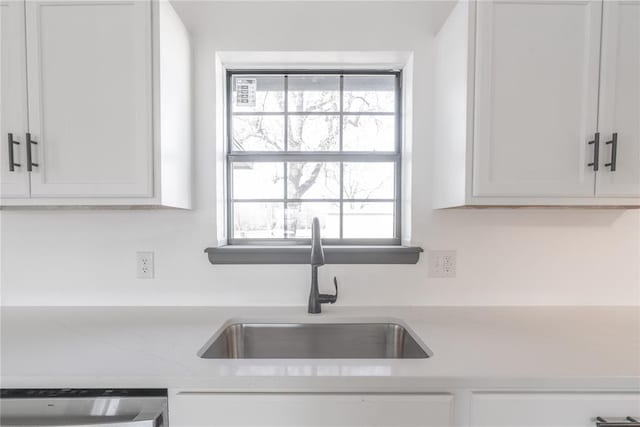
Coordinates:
(310,410)
(461,408)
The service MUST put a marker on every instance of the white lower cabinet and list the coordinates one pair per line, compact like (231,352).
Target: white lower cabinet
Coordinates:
(550,409)
(482,409)
(310,410)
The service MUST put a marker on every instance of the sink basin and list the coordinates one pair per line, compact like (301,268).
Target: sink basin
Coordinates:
(346,340)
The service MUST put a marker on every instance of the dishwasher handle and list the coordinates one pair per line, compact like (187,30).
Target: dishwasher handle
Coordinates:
(142,420)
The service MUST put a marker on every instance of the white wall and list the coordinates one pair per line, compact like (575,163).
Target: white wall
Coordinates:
(505,256)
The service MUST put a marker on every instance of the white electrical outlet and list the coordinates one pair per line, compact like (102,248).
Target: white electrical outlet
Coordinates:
(144,265)
(442,263)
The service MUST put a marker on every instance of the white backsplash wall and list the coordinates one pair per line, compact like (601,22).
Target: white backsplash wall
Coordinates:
(504,256)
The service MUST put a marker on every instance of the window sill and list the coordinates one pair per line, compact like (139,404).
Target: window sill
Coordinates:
(240,254)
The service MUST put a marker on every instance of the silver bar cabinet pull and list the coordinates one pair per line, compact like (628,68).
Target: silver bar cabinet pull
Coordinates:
(12,162)
(30,163)
(617,422)
(614,151)
(596,151)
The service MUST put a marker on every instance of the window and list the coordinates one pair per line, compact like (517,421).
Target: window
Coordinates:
(306,144)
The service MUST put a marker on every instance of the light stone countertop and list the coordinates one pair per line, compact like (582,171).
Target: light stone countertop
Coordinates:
(474,347)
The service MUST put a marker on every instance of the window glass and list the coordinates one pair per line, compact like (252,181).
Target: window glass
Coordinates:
(313,180)
(258,180)
(313,93)
(369,94)
(314,133)
(305,145)
(257,93)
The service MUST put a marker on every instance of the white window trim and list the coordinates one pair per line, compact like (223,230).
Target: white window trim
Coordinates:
(230,60)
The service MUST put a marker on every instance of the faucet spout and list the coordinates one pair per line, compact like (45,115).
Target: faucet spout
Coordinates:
(316,299)
(317,253)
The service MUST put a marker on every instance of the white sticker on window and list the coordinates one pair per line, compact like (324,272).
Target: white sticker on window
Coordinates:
(246,92)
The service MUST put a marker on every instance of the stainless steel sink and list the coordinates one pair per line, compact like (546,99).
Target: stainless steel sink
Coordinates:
(370,340)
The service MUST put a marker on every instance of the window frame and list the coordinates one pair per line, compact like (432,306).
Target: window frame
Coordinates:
(394,156)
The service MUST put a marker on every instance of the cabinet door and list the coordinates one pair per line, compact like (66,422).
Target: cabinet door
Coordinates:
(90,89)
(13,100)
(309,410)
(550,409)
(536,97)
(620,99)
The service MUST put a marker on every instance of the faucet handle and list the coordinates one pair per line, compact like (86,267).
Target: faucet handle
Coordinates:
(327,298)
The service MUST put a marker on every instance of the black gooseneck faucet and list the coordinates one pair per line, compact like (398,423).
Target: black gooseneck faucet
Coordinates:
(316,299)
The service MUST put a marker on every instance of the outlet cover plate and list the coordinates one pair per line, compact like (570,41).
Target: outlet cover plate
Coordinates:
(144,265)
(442,263)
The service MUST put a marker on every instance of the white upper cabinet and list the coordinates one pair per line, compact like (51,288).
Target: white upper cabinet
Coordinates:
(14,180)
(522,88)
(537,97)
(90,86)
(107,126)
(620,100)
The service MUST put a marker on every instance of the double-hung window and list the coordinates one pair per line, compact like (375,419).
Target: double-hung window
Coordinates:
(313,144)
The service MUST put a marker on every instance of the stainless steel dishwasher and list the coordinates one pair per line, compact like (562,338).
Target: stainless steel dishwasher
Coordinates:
(75,407)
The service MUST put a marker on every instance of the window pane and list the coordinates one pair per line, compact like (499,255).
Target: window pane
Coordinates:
(369,133)
(314,93)
(268,96)
(313,180)
(258,220)
(368,220)
(368,180)
(300,216)
(354,115)
(258,180)
(258,133)
(369,93)
(314,133)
